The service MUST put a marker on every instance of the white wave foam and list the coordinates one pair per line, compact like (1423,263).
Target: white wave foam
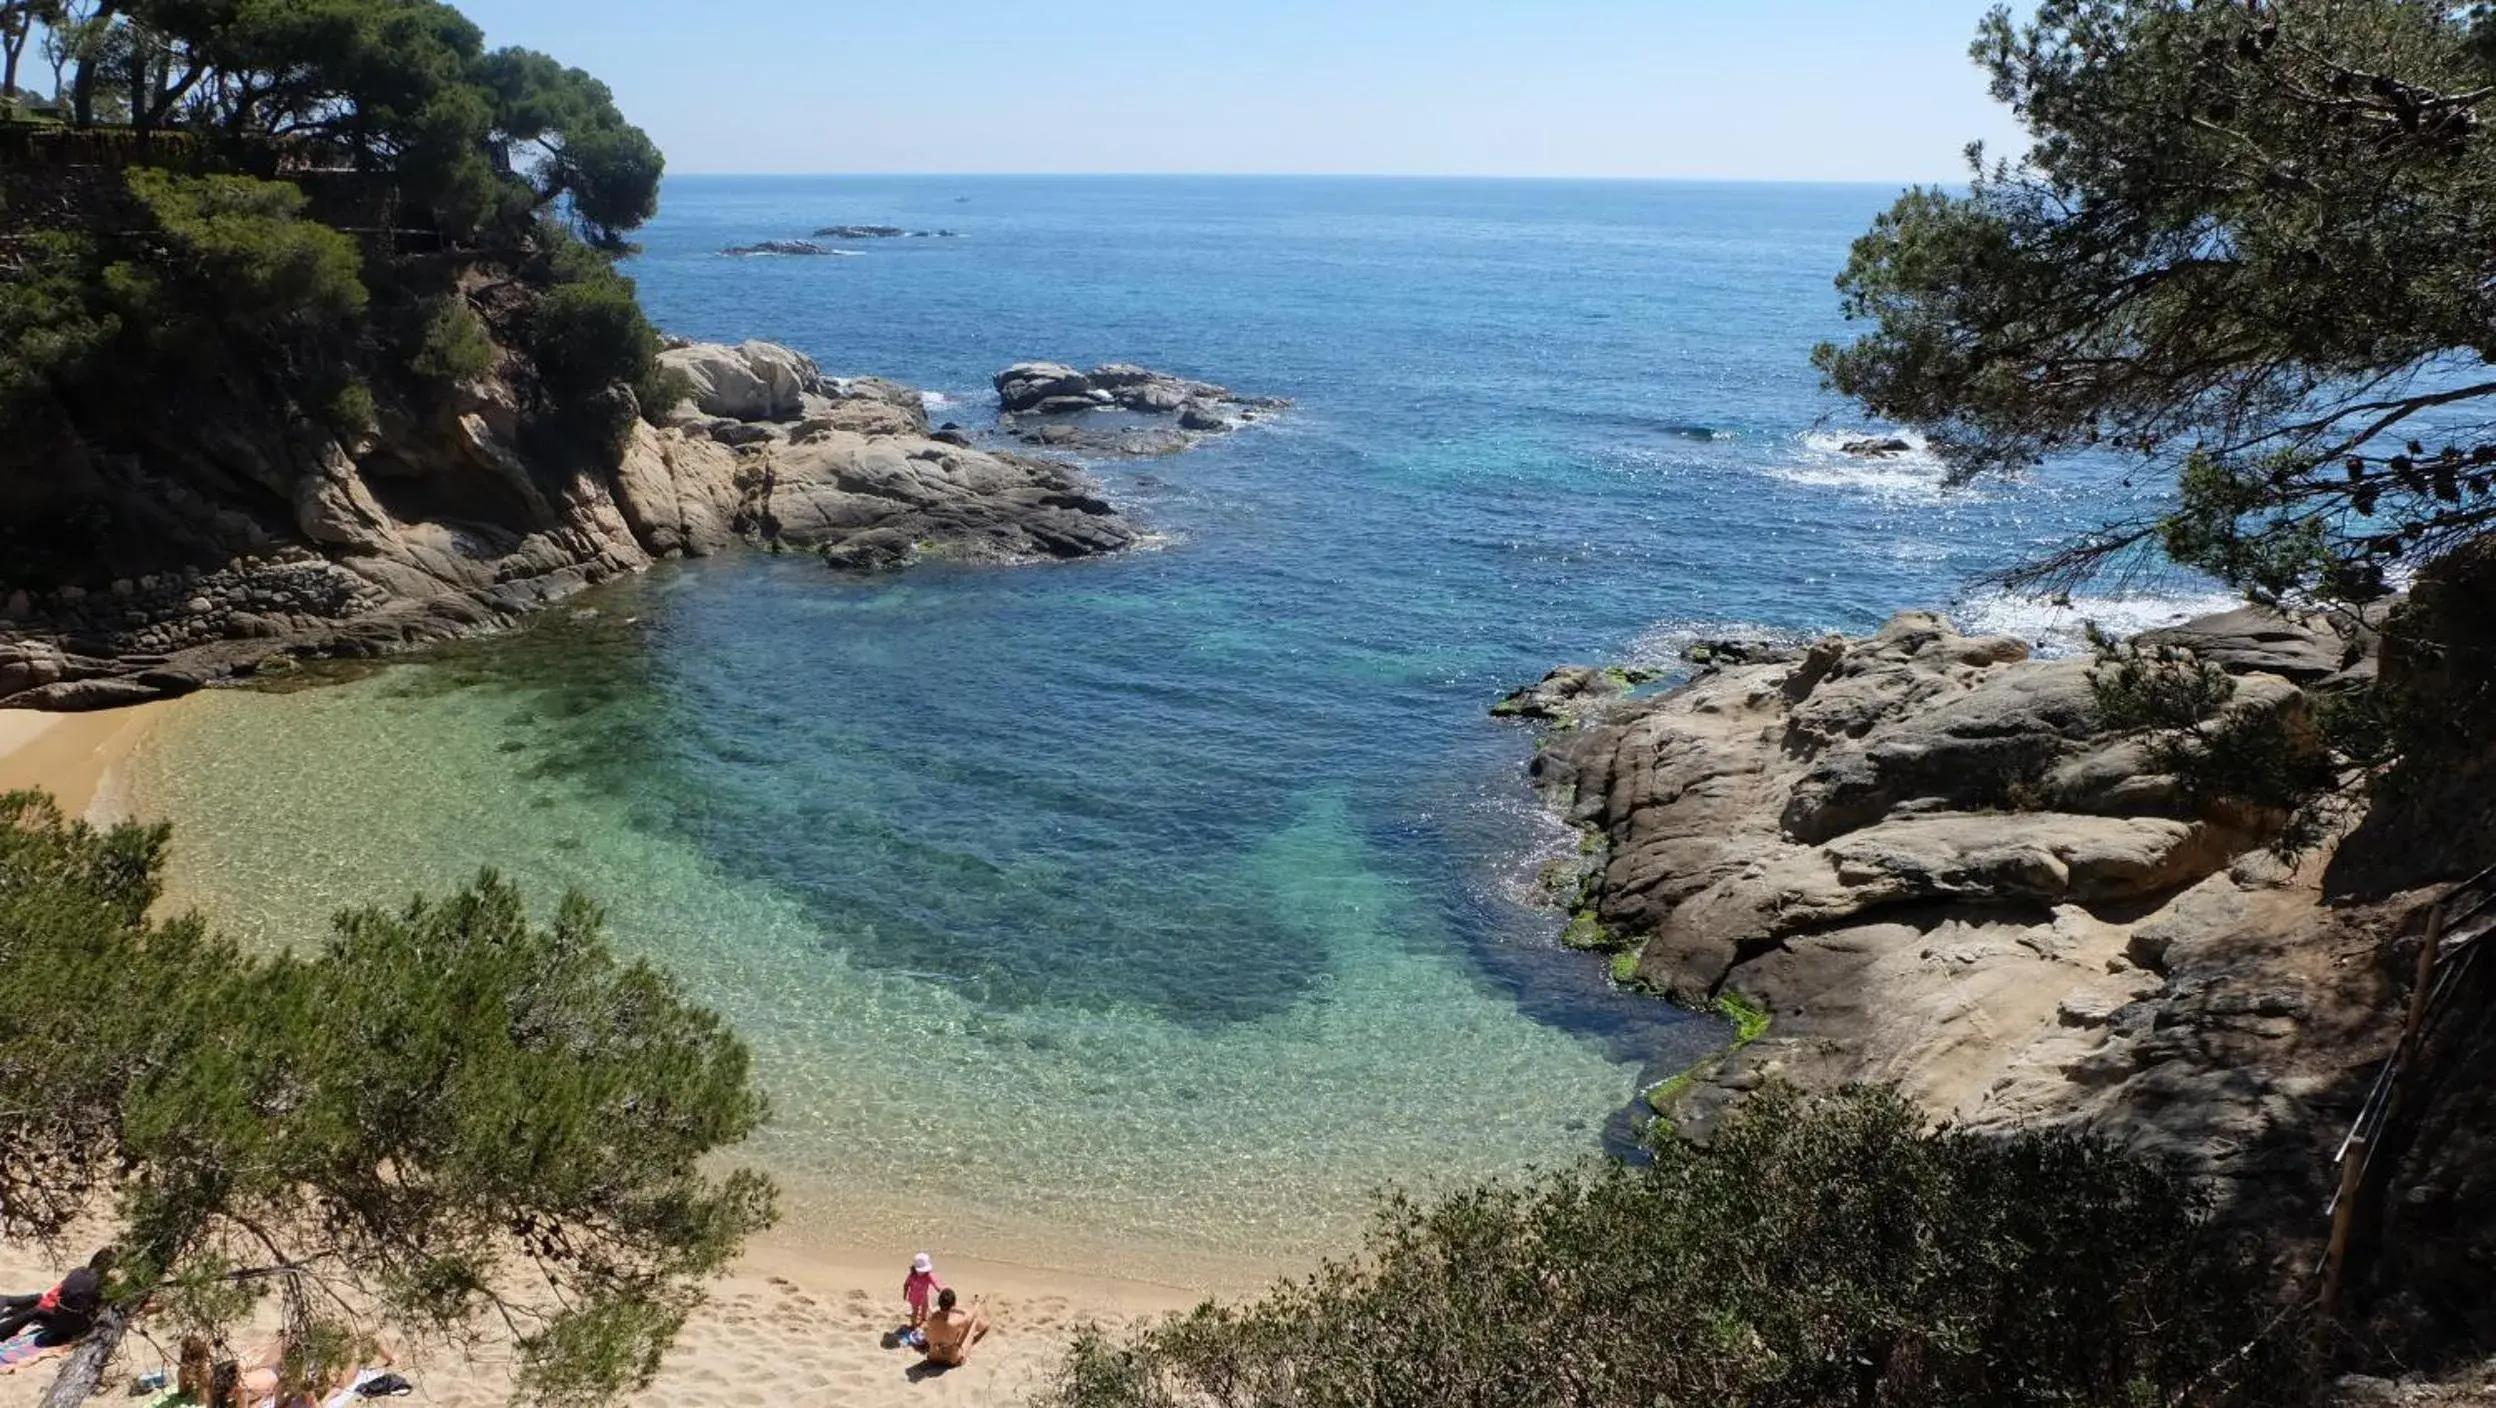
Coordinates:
(1834,442)
(933,399)
(1914,474)
(2058,626)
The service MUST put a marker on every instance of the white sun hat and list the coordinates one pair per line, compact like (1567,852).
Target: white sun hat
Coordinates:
(922,1263)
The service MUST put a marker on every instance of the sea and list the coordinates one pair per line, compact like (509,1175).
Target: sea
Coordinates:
(1155,914)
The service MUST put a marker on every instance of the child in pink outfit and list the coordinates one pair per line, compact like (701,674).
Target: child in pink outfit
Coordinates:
(920,1287)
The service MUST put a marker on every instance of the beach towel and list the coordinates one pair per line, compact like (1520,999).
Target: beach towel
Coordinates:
(22,1351)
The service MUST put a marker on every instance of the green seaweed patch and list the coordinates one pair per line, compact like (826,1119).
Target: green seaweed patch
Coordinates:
(1625,969)
(282,673)
(1586,932)
(1663,1095)
(1749,1018)
(1750,1022)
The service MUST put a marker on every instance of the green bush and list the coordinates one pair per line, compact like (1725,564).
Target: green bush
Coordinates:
(2284,764)
(589,341)
(454,344)
(458,1115)
(588,336)
(1818,1252)
(54,321)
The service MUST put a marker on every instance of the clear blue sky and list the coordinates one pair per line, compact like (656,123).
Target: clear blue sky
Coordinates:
(1767,89)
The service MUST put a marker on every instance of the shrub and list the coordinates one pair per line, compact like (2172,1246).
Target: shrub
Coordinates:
(458,1115)
(2283,764)
(1828,1251)
(588,336)
(453,345)
(246,243)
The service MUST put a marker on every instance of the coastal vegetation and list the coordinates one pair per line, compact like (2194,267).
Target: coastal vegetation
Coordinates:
(1814,1252)
(322,212)
(445,1116)
(2246,249)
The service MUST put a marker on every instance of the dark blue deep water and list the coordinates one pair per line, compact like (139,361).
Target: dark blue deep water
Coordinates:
(1178,892)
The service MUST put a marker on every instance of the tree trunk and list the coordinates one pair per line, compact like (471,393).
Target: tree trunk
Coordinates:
(83,1371)
(82,92)
(91,40)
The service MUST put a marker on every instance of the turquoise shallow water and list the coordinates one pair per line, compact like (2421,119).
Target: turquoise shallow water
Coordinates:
(1147,913)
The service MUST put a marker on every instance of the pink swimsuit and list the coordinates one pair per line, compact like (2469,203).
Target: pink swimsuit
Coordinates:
(917,1289)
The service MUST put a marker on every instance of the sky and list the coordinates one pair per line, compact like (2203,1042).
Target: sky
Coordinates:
(1846,90)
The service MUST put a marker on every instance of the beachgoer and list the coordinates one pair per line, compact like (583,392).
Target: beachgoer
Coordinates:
(951,1331)
(918,1286)
(64,1313)
(263,1381)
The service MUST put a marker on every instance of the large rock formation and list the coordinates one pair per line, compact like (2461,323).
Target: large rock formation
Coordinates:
(1927,859)
(1035,398)
(436,529)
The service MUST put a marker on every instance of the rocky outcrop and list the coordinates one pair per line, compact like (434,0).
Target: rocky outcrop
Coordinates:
(879,232)
(436,529)
(1034,396)
(1569,693)
(1926,858)
(801,249)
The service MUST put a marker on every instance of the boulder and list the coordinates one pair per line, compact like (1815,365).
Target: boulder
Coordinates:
(2258,639)
(1201,415)
(754,381)
(1974,750)
(905,399)
(1876,446)
(1565,692)
(81,696)
(1026,385)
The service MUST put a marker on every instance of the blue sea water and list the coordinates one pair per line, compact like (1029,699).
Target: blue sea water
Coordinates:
(1149,912)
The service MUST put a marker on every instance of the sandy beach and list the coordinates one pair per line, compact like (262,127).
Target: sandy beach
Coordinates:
(802,1320)
(793,1325)
(71,756)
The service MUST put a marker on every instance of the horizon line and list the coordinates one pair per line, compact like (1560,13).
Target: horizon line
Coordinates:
(1329,176)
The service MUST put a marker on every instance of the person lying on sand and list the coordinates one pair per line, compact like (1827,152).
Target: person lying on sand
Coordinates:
(263,1381)
(951,1331)
(62,1314)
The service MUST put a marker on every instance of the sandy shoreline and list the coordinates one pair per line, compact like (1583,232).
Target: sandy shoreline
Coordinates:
(791,1325)
(801,1320)
(71,756)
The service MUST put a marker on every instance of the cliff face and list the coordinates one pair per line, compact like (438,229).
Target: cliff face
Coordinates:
(258,542)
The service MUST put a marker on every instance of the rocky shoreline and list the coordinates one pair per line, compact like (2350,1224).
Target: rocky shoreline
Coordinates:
(430,531)
(1922,856)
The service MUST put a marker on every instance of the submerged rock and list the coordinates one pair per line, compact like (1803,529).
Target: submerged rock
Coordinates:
(1876,446)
